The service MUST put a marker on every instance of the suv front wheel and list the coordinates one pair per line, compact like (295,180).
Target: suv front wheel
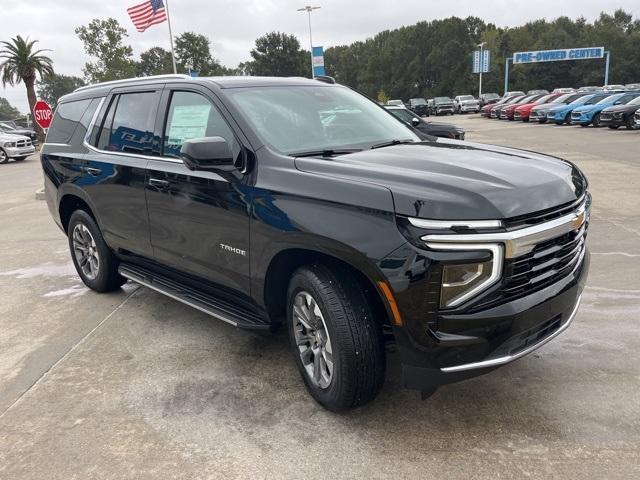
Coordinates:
(94,261)
(336,340)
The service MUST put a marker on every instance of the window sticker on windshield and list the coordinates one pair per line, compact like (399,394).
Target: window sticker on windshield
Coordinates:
(187,122)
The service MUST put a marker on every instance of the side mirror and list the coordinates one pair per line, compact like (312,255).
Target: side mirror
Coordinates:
(208,153)
(415,121)
(618,102)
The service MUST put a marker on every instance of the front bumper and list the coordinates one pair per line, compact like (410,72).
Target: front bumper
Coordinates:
(608,120)
(20,151)
(469,108)
(498,336)
(580,119)
(440,110)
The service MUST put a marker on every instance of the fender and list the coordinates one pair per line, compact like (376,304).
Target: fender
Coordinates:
(71,189)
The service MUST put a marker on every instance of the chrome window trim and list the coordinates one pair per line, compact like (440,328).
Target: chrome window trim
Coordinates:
(497,263)
(448,224)
(516,242)
(87,145)
(494,362)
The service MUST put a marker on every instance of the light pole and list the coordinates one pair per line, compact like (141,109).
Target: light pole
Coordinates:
(309,9)
(481,45)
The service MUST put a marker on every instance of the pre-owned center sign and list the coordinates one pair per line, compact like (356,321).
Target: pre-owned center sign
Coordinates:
(558,55)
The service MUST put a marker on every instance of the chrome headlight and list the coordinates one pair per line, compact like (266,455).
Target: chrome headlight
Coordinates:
(10,144)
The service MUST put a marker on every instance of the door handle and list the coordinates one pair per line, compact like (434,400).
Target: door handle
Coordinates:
(158,183)
(94,172)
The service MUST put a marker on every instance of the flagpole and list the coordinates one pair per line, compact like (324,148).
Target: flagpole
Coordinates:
(173,56)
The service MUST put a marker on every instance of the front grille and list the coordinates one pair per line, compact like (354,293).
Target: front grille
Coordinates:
(517,115)
(547,263)
(606,116)
(23,143)
(575,116)
(545,215)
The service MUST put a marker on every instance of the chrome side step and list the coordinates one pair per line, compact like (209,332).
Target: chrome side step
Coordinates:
(216,307)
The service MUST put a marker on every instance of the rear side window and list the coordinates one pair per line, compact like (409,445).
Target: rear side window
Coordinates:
(66,120)
(128,123)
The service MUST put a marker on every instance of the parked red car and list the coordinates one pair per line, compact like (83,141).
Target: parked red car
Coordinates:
(507,112)
(494,112)
(486,110)
(522,111)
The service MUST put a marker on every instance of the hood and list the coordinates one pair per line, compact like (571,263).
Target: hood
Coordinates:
(448,126)
(454,180)
(588,108)
(526,106)
(547,106)
(10,137)
(468,101)
(621,108)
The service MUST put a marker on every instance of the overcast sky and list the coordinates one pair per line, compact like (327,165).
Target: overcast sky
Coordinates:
(233,25)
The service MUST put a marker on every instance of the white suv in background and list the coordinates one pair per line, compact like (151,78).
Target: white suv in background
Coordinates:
(17,147)
(466,103)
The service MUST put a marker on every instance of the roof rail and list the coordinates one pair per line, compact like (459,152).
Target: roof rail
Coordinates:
(126,80)
(325,79)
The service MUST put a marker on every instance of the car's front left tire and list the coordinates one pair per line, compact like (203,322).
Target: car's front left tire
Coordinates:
(95,263)
(4,158)
(336,339)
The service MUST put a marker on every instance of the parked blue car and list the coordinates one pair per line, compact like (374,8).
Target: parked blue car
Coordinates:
(562,113)
(588,114)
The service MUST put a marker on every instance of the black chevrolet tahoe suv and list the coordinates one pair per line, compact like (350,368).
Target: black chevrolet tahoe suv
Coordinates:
(287,201)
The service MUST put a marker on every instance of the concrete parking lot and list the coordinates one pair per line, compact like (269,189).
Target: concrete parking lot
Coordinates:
(135,385)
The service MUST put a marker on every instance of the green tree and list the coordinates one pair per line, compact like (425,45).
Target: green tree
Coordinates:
(8,111)
(104,40)
(278,54)
(22,63)
(52,87)
(155,61)
(193,50)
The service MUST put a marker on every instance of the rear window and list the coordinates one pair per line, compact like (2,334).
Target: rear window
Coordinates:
(128,124)
(66,120)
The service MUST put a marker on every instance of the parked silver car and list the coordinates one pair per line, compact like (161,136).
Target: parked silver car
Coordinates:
(17,147)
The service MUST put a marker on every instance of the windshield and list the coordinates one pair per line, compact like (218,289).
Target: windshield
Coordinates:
(418,101)
(608,99)
(491,96)
(442,100)
(635,101)
(466,97)
(297,119)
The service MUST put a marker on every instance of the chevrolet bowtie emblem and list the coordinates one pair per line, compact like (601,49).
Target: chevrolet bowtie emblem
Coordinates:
(578,220)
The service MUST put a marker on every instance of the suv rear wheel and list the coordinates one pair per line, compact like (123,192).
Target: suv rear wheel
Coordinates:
(336,340)
(94,261)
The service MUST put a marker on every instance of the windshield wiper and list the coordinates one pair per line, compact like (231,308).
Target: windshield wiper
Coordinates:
(327,152)
(390,143)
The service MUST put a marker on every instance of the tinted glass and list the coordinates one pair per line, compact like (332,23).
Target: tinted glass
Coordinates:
(596,99)
(403,115)
(66,120)
(299,119)
(442,100)
(193,116)
(128,125)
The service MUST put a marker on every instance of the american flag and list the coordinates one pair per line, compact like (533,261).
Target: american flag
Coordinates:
(147,13)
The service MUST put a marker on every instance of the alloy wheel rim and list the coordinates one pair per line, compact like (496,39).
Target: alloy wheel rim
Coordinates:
(3,156)
(312,339)
(85,251)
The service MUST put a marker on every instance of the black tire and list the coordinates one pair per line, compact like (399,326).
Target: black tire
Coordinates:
(629,123)
(19,159)
(614,127)
(107,278)
(4,158)
(355,334)
(596,121)
(567,119)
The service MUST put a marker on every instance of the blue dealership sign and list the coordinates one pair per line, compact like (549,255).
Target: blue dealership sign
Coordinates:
(558,55)
(318,61)
(481,61)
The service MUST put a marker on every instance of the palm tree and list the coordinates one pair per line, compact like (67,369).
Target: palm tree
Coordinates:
(21,64)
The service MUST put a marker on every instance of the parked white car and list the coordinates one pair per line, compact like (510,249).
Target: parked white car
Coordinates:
(17,147)
(466,103)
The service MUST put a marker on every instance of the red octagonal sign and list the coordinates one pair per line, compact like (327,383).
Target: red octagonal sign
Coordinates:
(42,114)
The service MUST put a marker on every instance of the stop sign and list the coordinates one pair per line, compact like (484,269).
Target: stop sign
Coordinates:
(42,114)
